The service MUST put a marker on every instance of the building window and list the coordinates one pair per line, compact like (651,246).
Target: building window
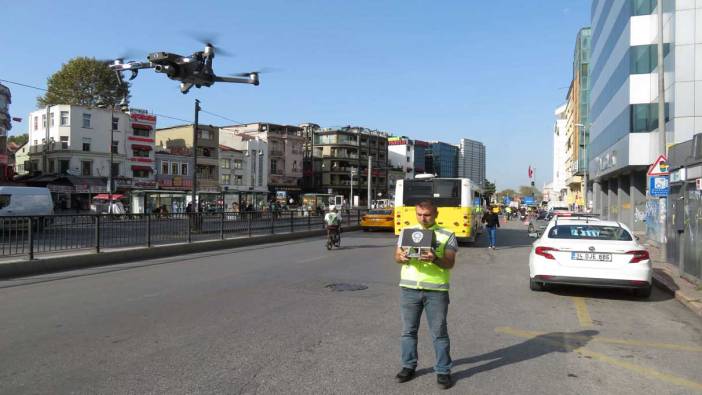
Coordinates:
(238,180)
(86,168)
(174,168)
(36,142)
(644,117)
(238,164)
(204,151)
(184,169)
(115,123)
(52,166)
(36,123)
(64,165)
(643,7)
(225,164)
(64,142)
(115,170)
(274,166)
(205,134)
(64,118)
(43,121)
(140,153)
(294,168)
(115,147)
(226,179)
(141,132)
(164,167)
(51,119)
(140,173)
(86,146)
(644,58)
(86,121)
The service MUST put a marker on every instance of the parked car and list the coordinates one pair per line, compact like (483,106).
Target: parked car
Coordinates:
(378,219)
(25,201)
(586,251)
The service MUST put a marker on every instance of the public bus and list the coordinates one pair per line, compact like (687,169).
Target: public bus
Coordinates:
(458,200)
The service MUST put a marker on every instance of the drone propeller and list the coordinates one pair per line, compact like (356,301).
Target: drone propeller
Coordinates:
(208,39)
(264,70)
(126,54)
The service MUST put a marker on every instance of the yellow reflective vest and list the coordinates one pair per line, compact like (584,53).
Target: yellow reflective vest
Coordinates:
(418,274)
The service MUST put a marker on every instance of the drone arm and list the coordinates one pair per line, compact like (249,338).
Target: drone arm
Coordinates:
(132,66)
(240,80)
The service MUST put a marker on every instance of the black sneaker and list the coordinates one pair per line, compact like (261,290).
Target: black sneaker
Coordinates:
(444,381)
(406,374)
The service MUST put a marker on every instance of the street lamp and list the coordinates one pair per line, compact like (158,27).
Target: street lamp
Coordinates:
(123,105)
(353,171)
(587,164)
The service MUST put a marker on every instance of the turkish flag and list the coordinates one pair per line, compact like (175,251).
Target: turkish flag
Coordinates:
(531,172)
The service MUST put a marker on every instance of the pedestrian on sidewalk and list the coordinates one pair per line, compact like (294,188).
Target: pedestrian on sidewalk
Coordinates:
(424,285)
(492,221)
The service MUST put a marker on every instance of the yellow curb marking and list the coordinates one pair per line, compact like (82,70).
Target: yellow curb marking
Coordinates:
(642,370)
(581,310)
(607,340)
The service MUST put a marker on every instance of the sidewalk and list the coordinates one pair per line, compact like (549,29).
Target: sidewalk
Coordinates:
(667,277)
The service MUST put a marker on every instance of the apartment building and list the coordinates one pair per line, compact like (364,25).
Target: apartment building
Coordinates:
(5,126)
(253,189)
(333,153)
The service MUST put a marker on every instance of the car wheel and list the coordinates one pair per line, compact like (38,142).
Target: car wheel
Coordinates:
(535,285)
(643,292)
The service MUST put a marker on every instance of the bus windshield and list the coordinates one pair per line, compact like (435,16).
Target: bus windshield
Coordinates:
(444,193)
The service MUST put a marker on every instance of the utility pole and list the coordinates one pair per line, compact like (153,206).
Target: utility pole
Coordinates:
(195,127)
(370,179)
(351,194)
(661,113)
(112,138)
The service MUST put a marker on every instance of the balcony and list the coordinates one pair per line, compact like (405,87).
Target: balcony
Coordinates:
(277,152)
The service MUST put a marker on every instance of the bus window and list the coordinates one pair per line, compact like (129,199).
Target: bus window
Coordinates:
(416,191)
(447,193)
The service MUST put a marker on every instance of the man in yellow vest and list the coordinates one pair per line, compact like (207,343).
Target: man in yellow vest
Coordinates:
(424,285)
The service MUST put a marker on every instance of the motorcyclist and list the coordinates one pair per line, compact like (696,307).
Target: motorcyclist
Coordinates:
(332,220)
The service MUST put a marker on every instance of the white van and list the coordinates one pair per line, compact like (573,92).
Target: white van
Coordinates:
(25,201)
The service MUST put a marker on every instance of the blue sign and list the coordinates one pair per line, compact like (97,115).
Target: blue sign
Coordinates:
(506,200)
(477,202)
(658,186)
(528,200)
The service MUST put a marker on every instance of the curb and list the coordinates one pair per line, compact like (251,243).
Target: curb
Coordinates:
(665,282)
(22,268)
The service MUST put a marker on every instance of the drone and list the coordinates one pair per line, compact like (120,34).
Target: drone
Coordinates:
(194,70)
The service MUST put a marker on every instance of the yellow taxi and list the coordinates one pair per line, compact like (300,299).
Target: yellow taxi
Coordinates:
(378,219)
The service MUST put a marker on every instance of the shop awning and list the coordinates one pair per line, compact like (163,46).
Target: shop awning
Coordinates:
(105,196)
(144,168)
(142,147)
(141,126)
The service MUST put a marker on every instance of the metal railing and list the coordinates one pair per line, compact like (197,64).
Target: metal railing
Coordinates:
(28,236)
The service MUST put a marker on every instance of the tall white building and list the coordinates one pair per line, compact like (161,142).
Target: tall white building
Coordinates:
(624,137)
(471,160)
(254,184)
(558,187)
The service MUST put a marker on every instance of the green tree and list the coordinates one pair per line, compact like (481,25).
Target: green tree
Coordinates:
(488,190)
(19,139)
(530,191)
(84,82)
(507,192)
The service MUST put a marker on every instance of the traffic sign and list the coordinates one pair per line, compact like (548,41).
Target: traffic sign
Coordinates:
(659,167)
(658,186)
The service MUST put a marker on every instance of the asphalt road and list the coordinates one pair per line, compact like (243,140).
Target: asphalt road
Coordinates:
(262,320)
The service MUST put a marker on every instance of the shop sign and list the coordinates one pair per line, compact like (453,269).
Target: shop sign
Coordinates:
(145,184)
(678,175)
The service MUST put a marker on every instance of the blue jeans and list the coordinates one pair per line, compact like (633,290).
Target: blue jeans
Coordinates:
(492,235)
(413,302)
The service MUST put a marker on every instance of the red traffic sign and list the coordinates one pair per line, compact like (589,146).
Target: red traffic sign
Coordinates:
(659,167)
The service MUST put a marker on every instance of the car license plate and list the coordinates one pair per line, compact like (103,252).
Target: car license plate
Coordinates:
(591,256)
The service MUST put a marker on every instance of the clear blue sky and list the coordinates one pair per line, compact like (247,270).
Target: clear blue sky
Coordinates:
(493,71)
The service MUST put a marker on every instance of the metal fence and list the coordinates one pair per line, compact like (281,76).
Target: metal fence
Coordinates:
(46,234)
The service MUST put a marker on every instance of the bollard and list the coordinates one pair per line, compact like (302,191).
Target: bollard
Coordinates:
(249,222)
(292,222)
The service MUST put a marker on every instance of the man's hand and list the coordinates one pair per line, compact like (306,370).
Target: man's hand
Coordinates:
(401,256)
(428,256)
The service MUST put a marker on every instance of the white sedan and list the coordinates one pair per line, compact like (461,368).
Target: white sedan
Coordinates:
(589,252)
